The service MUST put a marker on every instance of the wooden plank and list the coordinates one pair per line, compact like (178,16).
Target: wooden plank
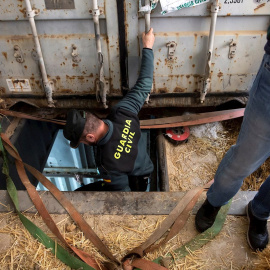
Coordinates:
(118,203)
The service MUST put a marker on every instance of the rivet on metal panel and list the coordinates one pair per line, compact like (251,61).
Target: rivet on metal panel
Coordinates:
(210,7)
(32,13)
(18,54)
(102,89)
(232,49)
(75,55)
(34,55)
(96,12)
(171,49)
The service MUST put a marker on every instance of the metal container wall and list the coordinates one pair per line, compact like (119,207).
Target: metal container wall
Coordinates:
(58,30)
(241,22)
(67,37)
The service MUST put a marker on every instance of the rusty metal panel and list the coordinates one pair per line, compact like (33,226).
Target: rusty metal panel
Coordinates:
(239,40)
(183,73)
(228,8)
(238,48)
(62,4)
(15,10)
(60,32)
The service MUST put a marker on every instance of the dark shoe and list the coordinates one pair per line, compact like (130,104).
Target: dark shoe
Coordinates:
(206,216)
(257,235)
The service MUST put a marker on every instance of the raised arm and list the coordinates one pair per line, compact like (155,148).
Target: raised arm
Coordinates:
(134,99)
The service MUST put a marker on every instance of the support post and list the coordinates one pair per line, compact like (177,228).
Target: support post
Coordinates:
(47,85)
(207,73)
(102,87)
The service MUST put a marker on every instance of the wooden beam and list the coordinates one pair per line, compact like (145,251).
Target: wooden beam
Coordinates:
(118,203)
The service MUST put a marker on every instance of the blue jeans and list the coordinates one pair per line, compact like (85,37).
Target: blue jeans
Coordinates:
(251,149)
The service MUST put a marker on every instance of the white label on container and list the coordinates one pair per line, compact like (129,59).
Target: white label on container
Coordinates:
(19,85)
(173,5)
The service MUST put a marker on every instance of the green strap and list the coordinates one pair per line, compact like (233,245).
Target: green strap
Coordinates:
(202,238)
(196,243)
(36,232)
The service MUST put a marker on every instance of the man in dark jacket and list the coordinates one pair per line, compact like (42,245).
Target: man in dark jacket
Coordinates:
(250,151)
(121,151)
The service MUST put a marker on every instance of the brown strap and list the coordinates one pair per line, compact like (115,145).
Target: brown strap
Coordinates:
(191,119)
(31,117)
(146,265)
(179,214)
(89,233)
(181,219)
(76,216)
(142,264)
(166,122)
(41,207)
(178,217)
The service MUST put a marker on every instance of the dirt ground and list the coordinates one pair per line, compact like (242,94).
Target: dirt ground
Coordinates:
(191,164)
(228,250)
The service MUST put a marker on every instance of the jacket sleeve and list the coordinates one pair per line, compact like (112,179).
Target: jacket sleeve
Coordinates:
(134,99)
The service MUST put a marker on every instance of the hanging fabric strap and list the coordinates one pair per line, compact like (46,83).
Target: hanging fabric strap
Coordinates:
(31,117)
(36,232)
(181,220)
(165,122)
(176,221)
(83,225)
(203,238)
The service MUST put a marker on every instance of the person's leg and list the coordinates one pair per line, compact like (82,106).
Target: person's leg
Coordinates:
(138,183)
(258,211)
(253,143)
(260,205)
(250,151)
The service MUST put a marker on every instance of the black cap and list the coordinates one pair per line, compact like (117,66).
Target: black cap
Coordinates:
(74,127)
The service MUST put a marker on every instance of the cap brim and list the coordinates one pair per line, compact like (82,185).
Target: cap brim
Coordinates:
(74,145)
(74,127)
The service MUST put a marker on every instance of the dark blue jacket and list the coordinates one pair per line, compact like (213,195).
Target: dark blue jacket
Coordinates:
(131,103)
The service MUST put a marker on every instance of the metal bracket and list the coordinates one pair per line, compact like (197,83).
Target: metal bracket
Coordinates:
(232,49)
(34,55)
(144,7)
(171,49)
(75,55)
(148,98)
(102,89)
(206,88)
(215,8)
(49,88)
(32,13)
(210,7)
(18,54)
(97,12)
